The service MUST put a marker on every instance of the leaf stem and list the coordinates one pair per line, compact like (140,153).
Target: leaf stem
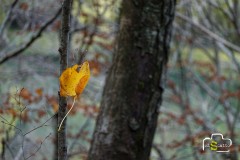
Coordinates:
(67,114)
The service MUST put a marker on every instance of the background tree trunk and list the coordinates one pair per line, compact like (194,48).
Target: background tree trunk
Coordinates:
(63,50)
(132,95)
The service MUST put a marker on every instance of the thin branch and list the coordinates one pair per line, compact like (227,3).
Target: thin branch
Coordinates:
(93,33)
(236,116)
(4,119)
(231,16)
(78,29)
(86,123)
(42,125)
(19,154)
(7,17)
(63,51)
(31,40)
(3,148)
(159,151)
(12,126)
(33,154)
(215,96)
(185,102)
(231,56)
(9,149)
(210,33)
(218,6)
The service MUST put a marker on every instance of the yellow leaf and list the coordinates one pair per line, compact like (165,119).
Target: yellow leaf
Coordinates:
(72,81)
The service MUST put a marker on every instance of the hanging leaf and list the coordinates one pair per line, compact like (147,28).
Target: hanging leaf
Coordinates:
(72,81)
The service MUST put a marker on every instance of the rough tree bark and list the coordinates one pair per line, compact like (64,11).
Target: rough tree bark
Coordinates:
(63,51)
(128,116)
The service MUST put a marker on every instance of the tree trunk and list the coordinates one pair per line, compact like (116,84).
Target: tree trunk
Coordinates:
(63,50)
(128,116)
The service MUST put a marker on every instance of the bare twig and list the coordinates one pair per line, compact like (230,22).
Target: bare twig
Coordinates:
(12,126)
(159,151)
(24,135)
(210,33)
(7,17)
(34,129)
(4,119)
(215,96)
(42,125)
(93,33)
(231,56)
(31,40)
(3,148)
(39,147)
(5,145)
(86,123)
(9,149)
(185,102)
(19,154)
(78,29)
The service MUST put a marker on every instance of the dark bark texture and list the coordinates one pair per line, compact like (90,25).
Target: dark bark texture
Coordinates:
(63,51)
(128,116)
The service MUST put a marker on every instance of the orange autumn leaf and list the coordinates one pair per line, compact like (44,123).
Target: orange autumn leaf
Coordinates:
(53,102)
(24,6)
(41,113)
(25,94)
(39,92)
(72,81)
(12,112)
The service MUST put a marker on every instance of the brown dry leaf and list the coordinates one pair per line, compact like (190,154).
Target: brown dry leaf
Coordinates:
(55,107)
(24,6)
(181,120)
(25,94)
(72,81)
(199,121)
(53,102)
(95,67)
(39,92)
(171,84)
(41,113)
(12,112)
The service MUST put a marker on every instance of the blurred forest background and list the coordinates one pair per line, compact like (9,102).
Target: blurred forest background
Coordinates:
(202,89)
